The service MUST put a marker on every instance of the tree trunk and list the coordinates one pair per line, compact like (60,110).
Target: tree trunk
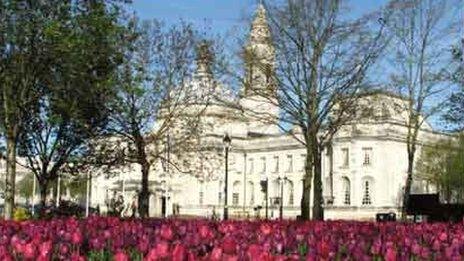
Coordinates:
(318,211)
(144,193)
(407,187)
(306,196)
(43,189)
(10,173)
(144,196)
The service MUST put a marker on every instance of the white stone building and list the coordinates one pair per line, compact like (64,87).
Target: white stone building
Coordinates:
(363,172)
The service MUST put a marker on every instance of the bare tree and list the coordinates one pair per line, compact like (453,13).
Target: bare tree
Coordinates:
(419,72)
(157,109)
(321,62)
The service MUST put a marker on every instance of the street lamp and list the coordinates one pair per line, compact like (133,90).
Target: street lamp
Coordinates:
(281,207)
(33,193)
(87,194)
(227,141)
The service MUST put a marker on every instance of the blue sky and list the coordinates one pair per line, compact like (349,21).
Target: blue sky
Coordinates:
(225,17)
(219,15)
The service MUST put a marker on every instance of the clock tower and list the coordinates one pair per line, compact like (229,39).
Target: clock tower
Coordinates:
(258,96)
(259,58)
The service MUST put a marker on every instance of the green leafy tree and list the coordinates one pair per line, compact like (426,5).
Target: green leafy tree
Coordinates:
(455,113)
(25,186)
(83,48)
(442,166)
(23,60)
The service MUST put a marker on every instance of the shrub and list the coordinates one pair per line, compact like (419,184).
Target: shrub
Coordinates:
(21,214)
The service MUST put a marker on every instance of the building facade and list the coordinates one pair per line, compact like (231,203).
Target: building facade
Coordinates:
(364,168)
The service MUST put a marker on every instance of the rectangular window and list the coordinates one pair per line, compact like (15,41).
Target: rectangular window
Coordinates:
(220,198)
(345,157)
(263,164)
(303,162)
(276,164)
(367,152)
(201,198)
(250,166)
(235,199)
(290,163)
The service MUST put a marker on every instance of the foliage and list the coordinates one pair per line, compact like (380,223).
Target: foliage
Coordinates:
(442,165)
(21,214)
(455,113)
(23,60)
(99,238)
(83,51)
(25,186)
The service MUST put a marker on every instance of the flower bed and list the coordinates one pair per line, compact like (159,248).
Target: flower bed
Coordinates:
(98,238)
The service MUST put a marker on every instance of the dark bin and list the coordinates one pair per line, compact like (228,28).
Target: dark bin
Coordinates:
(384,217)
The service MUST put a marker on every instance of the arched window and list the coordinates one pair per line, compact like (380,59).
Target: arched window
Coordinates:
(346,191)
(251,192)
(289,185)
(367,193)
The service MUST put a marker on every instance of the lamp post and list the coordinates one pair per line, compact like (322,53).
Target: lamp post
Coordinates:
(281,207)
(227,141)
(58,191)
(33,193)
(87,194)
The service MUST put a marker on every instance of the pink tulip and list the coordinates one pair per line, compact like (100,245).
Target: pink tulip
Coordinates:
(63,249)
(179,253)
(390,254)
(229,246)
(29,251)
(166,233)
(192,240)
(266,229)
(121,256)
(254,251)
(77,257)
(205,231)
(76,238)
(160,251)
(216,254)
(443,236)
(45,248)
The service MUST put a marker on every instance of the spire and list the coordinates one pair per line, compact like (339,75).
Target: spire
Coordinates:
(204,59)
(260,32)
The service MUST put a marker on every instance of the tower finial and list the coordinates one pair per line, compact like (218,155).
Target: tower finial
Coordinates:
(260,31)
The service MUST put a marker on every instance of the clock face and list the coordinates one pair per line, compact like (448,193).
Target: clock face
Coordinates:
(260,34)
